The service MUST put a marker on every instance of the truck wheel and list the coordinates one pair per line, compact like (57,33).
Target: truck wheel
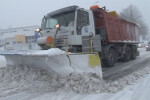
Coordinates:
(133,52)
(127,55)
(110,61)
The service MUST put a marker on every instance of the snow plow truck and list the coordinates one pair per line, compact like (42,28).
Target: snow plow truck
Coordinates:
(74,39)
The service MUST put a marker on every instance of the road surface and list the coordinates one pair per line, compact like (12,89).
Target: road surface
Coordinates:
(122,69)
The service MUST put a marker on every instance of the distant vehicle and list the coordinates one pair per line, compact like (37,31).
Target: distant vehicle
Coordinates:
(142,44)
(148,47)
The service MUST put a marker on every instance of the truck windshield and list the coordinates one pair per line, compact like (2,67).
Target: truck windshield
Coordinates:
(64,19)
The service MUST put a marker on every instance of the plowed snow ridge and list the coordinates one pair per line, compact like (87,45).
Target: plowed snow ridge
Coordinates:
(35,80)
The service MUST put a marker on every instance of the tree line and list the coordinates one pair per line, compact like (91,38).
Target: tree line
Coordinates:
(133,14)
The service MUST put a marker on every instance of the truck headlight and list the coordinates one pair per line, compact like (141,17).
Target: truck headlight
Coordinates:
(38,29)
(146,46)
(57,26)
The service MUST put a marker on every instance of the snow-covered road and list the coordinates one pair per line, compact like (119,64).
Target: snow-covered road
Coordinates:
(33,84)
(122,69)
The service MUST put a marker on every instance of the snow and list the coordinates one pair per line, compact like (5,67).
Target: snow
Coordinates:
(54,60)
(2,59)
(2,62)
(26,83)
(50,52)
(138,91)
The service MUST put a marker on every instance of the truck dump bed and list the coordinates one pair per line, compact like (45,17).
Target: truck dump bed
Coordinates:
(115,29)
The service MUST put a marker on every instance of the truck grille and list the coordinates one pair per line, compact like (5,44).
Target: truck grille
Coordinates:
(61,41)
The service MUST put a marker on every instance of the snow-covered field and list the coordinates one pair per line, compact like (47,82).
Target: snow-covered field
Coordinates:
(33,84)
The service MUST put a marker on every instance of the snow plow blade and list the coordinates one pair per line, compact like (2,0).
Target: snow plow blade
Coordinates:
(56,61)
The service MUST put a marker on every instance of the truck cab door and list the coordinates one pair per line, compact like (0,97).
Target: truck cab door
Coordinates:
(84,24)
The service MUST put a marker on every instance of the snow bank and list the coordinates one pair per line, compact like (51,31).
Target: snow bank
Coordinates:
(2,61)
(50,52)
(1,48)
(138,91)
(35,80)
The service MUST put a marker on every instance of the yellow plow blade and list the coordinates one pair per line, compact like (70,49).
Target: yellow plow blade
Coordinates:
(94,60)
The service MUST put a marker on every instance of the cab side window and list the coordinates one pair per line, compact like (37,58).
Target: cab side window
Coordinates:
(82,20)
(85,18)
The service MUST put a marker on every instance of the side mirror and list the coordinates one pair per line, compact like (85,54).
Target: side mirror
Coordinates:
(90,34)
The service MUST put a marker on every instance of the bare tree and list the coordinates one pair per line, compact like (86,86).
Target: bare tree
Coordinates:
(143,30)
(132,14)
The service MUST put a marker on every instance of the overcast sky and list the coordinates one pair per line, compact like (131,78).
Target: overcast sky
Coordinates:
(19,13)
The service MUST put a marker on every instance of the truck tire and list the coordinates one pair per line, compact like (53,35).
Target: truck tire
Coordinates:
(127,55)
(133,52)
(111,59)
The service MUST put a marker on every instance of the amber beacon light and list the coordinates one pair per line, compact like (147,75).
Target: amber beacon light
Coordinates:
(96,6)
